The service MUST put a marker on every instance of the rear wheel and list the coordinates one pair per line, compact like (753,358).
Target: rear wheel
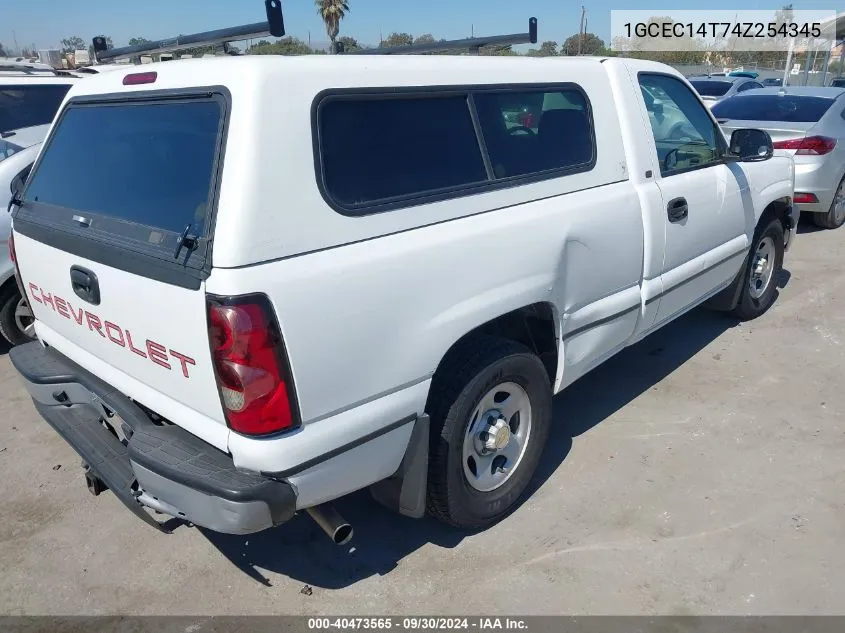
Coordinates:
(490,410)
(16,320)
(762,268)
(835,216)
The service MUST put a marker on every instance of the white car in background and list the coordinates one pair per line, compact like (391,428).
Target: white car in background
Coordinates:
(30,96)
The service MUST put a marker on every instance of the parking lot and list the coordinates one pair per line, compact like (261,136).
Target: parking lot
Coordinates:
(699,472)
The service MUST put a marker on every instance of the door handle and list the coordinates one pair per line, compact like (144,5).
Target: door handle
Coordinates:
(677,209)
(85,284)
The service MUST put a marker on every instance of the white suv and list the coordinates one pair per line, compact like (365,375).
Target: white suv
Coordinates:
(298,277)
(30,96)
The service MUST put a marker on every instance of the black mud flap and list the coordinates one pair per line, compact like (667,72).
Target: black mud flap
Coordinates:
(404,492)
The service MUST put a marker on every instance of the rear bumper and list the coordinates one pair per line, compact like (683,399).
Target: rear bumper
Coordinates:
(164,468)
(819,177)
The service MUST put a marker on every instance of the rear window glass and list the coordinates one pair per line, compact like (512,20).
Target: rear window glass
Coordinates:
(787,108)
(25,106)
(377,149)
(711,88)
(150,163)
(531,132)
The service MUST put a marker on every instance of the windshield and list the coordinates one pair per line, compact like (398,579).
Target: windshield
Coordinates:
(154,163)
(7,149)
(774,107)
(711,88)
(27,105)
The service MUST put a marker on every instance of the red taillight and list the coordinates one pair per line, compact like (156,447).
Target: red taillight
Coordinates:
(136,79)
(805,198)
(808,146)
(250,363)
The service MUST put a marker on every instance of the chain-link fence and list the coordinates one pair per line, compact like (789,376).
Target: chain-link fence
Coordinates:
(814,68)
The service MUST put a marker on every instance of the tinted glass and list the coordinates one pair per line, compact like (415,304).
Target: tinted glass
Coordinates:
(684,134)
(149,164)
(25,106)
(374,149)
(750,85)
(774,107)
(529,132)
(838,83)
(711,88)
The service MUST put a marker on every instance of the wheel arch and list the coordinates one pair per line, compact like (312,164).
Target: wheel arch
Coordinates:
(537,326)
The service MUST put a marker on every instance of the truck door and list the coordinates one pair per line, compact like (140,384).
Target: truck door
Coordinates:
(702,196)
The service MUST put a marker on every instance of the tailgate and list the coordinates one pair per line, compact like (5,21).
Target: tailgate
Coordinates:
(113,244)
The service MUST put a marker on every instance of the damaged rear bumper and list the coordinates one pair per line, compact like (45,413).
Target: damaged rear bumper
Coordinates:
(147,465)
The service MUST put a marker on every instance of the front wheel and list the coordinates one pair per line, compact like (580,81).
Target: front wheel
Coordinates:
(16,320)
(762,269)
(490,409)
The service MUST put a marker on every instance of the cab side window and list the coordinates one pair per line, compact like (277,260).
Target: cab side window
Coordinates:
(684,134)
(749,86)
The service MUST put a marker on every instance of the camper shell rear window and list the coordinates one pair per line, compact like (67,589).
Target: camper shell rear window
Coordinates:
(139,173)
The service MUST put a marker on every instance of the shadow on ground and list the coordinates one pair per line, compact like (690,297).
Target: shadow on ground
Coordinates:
(301,551)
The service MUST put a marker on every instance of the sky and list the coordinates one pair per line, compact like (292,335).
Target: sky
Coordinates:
(45,22)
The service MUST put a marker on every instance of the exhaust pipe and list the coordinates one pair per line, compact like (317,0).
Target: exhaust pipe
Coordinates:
(334,525)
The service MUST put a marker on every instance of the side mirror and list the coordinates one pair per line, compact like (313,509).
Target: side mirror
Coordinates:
(751,146)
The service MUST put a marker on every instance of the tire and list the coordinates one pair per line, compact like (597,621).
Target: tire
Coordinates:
(468,375)
(758,291)
(8,323)
(831,219)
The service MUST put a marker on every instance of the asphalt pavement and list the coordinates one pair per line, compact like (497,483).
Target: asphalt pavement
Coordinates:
(701,471)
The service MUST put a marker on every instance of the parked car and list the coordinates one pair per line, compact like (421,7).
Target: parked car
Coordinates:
(771,82)
(714,90)
(30,95)
(809,125)
(396,284)
(16,320)
(839,82)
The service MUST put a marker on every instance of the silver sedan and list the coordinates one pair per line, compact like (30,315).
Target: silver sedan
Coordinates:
(712,90)
(807,124)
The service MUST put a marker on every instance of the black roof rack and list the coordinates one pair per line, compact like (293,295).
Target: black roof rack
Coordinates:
(274,25)
(473,44)
(32,69)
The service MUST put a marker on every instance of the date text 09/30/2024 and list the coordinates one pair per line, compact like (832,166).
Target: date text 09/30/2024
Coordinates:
(416,624)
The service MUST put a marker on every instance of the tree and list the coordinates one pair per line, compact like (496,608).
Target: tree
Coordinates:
(397,39)
(332,12)
(285,46)
(349,44)
(136,41)
(496,51)
(547,49)
(425,38)
(591,44)
(261,43)
(2,50)
(71,44)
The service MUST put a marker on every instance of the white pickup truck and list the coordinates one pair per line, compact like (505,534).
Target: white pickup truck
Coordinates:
(295,278)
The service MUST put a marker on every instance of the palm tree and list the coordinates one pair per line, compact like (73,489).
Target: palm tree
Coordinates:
(332,12)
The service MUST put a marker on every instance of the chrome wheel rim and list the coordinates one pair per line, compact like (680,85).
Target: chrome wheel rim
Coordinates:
(839,204)
(496,437)
(24,320)
(762,267)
